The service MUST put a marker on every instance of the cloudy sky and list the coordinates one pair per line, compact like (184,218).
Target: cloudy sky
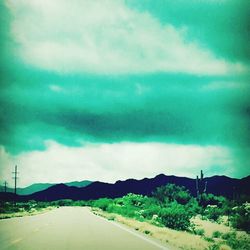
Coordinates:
(115,89)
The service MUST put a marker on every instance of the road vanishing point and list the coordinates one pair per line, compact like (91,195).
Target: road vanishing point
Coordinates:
(70,228)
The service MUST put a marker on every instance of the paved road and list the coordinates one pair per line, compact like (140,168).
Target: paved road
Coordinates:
(69,228)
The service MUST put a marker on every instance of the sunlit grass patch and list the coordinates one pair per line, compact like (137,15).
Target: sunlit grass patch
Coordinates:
(209,227)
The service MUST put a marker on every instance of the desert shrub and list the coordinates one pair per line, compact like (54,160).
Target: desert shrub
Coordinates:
(65,202)
(42,204)
(88,203)
(111,217)
(219,246)
(150,202)
(183,196)
(127,211)
(113,208)
(175,216)
(150,211)
(102,203)
(241,242)
(214,247)
(55,203)
(26,206)
(208,239)
(213,213)
(241,222)
(2,210)
(119,201)
(216,234)
(79,203)
(241,217)
(210,199)
(134,200)
(8,207)
(199,231)
(193,207)
(170,193)
(228,235)
(131,205)
(29,206)
(134,205)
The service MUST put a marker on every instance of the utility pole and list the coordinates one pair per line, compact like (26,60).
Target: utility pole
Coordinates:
(15,177)
(5,186)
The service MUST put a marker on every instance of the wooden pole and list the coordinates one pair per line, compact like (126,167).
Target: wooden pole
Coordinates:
(15,178)
(5,186)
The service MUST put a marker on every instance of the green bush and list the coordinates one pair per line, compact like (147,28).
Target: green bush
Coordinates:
(170,193)
(208,239)
(193,207)
(213,213)
(214,247)
(241,217)
(42,204)
(127,211)
(79,203)
(102,203)
(131,205)
(182,196)
(65,202)
(210,199)
(150,211)
(134,200)
(216,234)
(241,242)
(199,231)
(175,216)
(29,206)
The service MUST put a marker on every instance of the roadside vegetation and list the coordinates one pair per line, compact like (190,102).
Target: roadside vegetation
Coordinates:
(19,209)
(216,221)
(170,214)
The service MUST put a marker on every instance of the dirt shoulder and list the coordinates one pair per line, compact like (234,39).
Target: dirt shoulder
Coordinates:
(172,238)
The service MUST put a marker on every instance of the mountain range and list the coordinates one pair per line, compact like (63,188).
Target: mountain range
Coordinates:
(217,185)
(42,186)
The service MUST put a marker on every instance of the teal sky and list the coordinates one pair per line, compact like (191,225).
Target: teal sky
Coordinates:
(124,75)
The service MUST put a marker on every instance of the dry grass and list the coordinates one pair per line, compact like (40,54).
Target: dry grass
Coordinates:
(209,227)
(173,238)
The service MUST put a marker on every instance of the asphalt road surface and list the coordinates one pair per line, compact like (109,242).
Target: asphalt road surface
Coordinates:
(70,228)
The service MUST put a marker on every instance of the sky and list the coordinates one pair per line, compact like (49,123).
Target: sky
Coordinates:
(115,89)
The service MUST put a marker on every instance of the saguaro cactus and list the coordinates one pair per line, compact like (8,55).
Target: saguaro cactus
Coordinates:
(201,185)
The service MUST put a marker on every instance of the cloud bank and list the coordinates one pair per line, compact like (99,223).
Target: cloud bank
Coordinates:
(100,87)
(111,162)
(106,37)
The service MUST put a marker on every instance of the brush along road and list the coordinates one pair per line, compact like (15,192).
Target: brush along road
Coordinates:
(70,228)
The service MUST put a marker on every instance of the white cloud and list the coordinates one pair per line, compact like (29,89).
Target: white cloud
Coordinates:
(105,37)
(217,85)
(111,162)
(55,88)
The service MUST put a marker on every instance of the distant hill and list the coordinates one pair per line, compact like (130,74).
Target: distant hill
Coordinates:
(42,186)
(78,183)
(218,185)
